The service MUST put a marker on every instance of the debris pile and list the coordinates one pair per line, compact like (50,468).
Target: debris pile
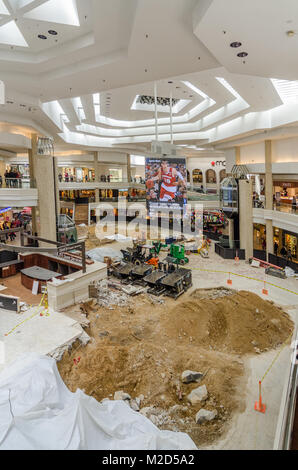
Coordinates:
(183,358)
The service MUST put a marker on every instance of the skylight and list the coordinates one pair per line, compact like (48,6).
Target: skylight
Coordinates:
(10,34)
(3,9)
(287,90)
(18,4)
(56,11)
(52,11)
(228,86)
(195,89)
(96,104)
(77,104)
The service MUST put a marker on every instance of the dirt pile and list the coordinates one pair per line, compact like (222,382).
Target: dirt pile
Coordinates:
(143,349)
(239,322)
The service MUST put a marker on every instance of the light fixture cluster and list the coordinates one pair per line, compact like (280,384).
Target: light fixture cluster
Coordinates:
(51,31)
(150,100)
(235,45)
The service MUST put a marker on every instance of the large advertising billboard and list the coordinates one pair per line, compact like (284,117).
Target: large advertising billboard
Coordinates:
(166,183)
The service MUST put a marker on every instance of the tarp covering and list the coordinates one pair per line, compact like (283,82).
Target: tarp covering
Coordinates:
(38,412)
(99,254)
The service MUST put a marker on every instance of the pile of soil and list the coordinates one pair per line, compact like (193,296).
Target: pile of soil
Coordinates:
(240,322)
(143,349)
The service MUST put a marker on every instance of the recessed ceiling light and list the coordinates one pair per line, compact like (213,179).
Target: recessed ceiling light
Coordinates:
(242,54)
(52,32)
(290,33)
(236,44)
(42,36)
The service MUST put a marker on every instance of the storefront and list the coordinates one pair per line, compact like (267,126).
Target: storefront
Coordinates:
(284,192)
(259,237)
(285,243)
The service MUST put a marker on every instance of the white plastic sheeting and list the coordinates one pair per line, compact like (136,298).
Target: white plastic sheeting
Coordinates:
(99,254)
(37,411)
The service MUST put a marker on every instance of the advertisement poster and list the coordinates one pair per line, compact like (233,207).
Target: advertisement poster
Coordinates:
(166,183)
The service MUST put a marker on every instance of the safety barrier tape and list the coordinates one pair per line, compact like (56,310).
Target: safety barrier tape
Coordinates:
(246,277)
(29,318)
(262,281)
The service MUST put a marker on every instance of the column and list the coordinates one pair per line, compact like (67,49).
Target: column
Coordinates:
(246,217)
(97,178)
(2,171)
(231,233)
(269,196)
(32,151)
(128,169)
(42,169)
(232,157)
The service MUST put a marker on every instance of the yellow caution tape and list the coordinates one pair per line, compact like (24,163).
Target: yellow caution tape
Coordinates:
(32,316)
(269,283)
(276,357)
(246,277)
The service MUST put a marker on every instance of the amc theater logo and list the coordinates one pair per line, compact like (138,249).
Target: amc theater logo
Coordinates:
(218,163)
(2,352)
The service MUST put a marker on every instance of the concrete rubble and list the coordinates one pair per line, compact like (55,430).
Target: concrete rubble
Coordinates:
(198,395)
(189,376)
(204,415)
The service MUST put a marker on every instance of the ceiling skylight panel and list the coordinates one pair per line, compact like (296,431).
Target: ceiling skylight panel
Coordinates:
(287,90)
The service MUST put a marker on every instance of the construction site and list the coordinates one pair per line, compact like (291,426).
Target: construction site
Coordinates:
(195,344)
(148,228)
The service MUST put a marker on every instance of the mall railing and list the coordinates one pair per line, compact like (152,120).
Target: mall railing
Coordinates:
(280,207)
(18,183)
(110,180)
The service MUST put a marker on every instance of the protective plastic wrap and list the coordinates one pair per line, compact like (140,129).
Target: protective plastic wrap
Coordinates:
(37,411)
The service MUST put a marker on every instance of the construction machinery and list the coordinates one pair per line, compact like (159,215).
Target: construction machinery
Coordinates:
(177,282)
(177,255)
(141,254)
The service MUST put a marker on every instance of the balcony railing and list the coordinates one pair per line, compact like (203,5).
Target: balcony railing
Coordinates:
(106,179)
(17,183)
(280,207)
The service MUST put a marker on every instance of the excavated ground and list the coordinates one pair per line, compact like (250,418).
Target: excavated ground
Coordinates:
(143,347)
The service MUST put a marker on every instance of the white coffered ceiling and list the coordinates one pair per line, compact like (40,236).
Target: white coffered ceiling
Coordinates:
(81,79)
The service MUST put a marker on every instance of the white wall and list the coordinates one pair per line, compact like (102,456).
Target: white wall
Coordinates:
(283,151)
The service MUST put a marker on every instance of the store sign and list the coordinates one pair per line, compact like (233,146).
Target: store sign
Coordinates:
(219,163)
(2,211)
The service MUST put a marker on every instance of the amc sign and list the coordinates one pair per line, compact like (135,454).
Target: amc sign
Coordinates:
(218,163)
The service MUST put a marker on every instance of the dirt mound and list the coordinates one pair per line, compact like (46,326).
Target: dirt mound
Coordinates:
(239,322)
(143,348)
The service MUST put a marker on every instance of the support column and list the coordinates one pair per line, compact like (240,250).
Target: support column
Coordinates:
(42,169)
(97,176)
(31,152)
(56,173)
(269,196)
(2,171)
(231,233)
(246,218)
(128,169)
(232,157)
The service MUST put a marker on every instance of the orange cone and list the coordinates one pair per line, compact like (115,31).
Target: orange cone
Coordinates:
(259,405)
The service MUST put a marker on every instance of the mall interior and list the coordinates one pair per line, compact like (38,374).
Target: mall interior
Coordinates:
(97,98)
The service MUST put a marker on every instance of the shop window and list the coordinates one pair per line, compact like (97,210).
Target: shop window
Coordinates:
(210,177)
(197,176)
(222,175)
